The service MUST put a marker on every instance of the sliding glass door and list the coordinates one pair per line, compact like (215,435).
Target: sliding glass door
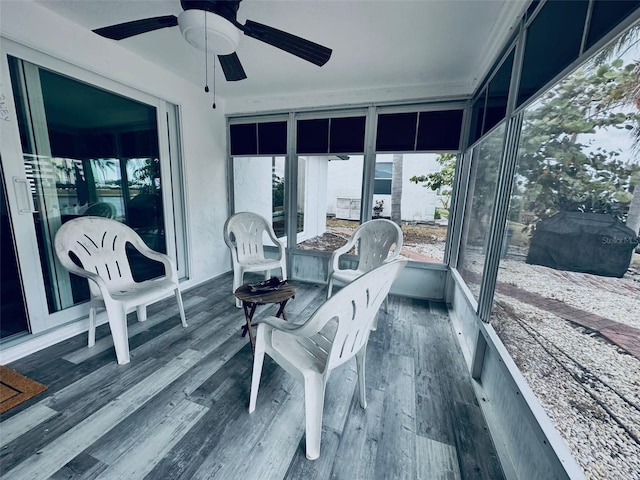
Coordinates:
(83,150)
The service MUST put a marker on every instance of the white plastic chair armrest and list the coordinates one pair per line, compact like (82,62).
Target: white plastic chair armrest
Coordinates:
(169,265)
(278,324)
(312,326)
(81,272)
(334,264)
(276,241)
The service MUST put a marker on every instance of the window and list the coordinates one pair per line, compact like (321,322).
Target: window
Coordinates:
(568,263)
(417,195)
(382,182)
(483,180)
(332,188)
(104,160)
(330,166)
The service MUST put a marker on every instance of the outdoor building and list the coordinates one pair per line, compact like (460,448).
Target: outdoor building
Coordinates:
(517,192)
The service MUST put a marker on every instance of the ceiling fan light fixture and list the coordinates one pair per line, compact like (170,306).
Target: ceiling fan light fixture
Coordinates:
(222,36)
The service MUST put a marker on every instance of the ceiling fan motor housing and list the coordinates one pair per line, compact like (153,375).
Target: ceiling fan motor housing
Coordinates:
(222,37)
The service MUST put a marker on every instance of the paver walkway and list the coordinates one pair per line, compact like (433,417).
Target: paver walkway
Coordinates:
(625,336)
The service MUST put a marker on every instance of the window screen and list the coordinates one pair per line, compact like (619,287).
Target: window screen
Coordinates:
(439,130)
(268,138)
(313,136)
(347,135)
(498,94)
(244,139)
(331,135)
(272,138)
(606,15)
(477,118)
(552,42)
(396,132)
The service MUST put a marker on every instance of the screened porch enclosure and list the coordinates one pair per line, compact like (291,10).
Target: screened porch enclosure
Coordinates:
(515,166)
(510,349)
(180,409)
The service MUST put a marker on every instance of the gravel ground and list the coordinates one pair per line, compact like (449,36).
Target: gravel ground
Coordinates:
(589,387)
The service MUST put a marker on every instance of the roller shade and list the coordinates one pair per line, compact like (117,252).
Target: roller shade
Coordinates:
(267,138)
(331,135)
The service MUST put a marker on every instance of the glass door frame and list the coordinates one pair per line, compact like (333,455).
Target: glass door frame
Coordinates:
(19,197)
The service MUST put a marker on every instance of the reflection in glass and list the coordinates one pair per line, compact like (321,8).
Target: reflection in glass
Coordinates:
(86,152)
(578,162)
(483,179)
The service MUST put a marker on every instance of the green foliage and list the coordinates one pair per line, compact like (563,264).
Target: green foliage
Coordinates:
(442,178)
(556,171)
(146,174)
(277,191)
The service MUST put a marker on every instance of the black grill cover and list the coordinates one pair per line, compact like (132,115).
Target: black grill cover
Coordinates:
(583,242)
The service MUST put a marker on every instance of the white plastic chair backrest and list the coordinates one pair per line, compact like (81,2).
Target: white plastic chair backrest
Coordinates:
(101,209)
(244,233)
(376,237)
(100,246)
(354,307)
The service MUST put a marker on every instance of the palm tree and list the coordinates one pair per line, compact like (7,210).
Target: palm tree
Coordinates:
(396,189)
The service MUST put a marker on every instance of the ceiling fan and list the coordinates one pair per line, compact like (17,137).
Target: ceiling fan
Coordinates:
(211,25)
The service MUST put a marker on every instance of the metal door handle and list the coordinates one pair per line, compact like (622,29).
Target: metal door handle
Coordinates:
(23,196)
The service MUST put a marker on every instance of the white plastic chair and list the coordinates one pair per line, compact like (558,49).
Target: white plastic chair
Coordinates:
(373,241)
(338,330)
(99,244)
(243,234)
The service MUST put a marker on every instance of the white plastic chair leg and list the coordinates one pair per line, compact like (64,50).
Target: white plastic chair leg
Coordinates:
(313,406)
(330,288)
(238,275)
(258,360)
(360,362)
(92,326)
(118,326)
(141,312)
(374,325)
(183,318)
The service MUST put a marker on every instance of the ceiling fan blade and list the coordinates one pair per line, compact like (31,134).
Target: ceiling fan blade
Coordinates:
(136,27)
(232,67)
(305,49)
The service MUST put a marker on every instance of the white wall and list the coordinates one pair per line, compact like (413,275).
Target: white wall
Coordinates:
(344,180)
(203,129)
(418,203)
(252,188)
(315,202)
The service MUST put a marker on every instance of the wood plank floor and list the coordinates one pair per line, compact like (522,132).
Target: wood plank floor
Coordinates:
(179,409)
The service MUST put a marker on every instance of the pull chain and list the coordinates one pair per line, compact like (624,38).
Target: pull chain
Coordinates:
(214,83)
(206,63)
(206,56)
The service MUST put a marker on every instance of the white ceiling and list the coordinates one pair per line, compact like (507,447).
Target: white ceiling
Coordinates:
(404,45)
